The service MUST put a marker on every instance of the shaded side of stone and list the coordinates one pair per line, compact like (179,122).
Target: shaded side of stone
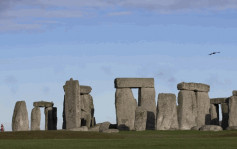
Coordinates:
(134,82)
(140,119)
(214,110)
(225,115)
(87,109)
(167,118)
(35,118)
(64,116)
(234,93)
(20,121)
(193,87)
(203,111)
(233,111)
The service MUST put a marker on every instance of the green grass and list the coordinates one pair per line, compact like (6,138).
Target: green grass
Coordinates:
(131,140)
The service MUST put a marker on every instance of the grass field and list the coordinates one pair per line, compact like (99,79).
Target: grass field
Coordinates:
(131,140)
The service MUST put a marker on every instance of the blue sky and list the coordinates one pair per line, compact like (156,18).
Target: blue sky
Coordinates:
(43,43)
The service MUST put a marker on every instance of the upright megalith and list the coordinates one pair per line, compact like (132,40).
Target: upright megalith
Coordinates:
(87,114)
(20,121)
(194,105)
(140,119)
(72,104)
(214,111)
(125,108)
(167,118)
(35,118)
(225,115)
(233,111)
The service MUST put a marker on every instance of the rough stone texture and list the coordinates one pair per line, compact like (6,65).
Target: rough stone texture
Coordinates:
(146,100)
(231,128)
(83,128)
(43,104)
(104,126)
(225,115)
(218,100)
(20,121)
(234,93)
(167,118)
(187,109)
(203,109)
(72,104)
(111,131)
(134,82)
(195,128)
(125,108)
(140,119)
(95,128)
(48,117)
(233,111)
(214,111)
(85,89)
(211,128)
(87,108)
(35,118)
(193,87)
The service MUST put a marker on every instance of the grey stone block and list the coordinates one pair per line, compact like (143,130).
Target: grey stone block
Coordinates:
(87,109)
(134,82)
(203,109)
(233,111)
(43,104)
(20,121)
(125,108)
(193,87)
(234,93)
(104,126)
(196,128)
(35,118)
(111,131)
(95,128)
(225,115)
(211,128)
(218,100)
(167,118)
(85,89)
(140,119)
(214,110)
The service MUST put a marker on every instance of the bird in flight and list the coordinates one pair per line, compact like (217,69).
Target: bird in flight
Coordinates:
(214,53)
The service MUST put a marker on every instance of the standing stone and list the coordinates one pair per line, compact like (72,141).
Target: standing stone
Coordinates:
(72,104)
(125,108)
(225,115)
(214,110)
(48,117)
(187,109)
(233,111)
(87,109)
(20,121)
(146,99)
(167,112)
(35,118)
(203,111)
(140,119)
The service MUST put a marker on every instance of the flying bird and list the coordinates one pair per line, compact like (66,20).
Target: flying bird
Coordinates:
(214,53)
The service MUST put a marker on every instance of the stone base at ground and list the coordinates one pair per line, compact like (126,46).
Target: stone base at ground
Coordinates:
(211,128)
(83,128)
(111,131)
(104,126)
(140,119)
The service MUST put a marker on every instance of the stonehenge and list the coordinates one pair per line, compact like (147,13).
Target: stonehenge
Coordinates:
(20,121)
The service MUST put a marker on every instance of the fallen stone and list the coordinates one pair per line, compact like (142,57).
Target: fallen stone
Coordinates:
(95,128)
(140,119)
(85,89)
(43,104)
(234,93)
(214,110)
(35,118)
(231,128)
(134,82)
(195,128)
(125,108)
(111,131)
(225,115)
(104,126)
(146,100)
(83,128)
(167,118)
(20,121)
(203,111)
(187,109)
(211,128)
(218,100)
(233,111)
(194,87)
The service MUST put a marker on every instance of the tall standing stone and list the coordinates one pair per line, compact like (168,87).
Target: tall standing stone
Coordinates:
(72,104)
(87,109)
(225,115)
(20,121)
(214,110)
(125,108)
(203,111)
(167,112)
(233,111)
(140,119)
(35,118)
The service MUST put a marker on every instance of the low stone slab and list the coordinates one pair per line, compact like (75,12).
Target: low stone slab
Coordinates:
(211,128)
(195,128)
(111,131)
(83,128)
(43,104)
(134,82)
(104,126)
(95,128)
(231,128)
(20,121)
(218,100)
(193,87)
(234,93)
(85,89)
(140,119)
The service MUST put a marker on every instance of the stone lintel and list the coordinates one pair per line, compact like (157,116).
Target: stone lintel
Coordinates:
(234,93)
(193,87)
(85,89)
(134,82)
(43,104)
(218,100)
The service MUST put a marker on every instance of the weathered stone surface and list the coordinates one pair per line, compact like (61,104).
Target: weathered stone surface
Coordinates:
(167,118)
(231,128)
(214,111)
(194,87)
(85,89)
(72,104)
(233,111)
(20,121)
(211,128)
(125,108)
(87,109)
(234,93)
(43,104)
(95,128)
(218,100)
(104,126)
(187,109)
(134,82)
(83,128)
(51,118)
(48,116)
(111,131)
(140,119)
(195,128)
(203,109)
(146,100)
(225,115)
(35,118)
